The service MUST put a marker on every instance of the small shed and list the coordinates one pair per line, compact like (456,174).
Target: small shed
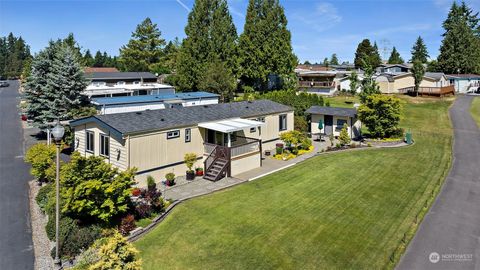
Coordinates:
(333,120)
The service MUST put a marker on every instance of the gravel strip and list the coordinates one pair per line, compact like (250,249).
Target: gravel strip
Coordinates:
(41,243)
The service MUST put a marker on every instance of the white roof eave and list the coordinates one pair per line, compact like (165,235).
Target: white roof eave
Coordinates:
(231,125)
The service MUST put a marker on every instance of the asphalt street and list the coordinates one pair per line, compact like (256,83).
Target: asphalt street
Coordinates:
(449,236)
(16,248)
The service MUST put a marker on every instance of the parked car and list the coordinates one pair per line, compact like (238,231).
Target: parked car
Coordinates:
(4,84)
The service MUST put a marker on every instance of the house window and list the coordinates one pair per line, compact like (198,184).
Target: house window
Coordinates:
(261,119)
(104,145)
(188,135)
(89,142)
(253,130)
(173,134)
(282,122)
(120,83)
(340,123)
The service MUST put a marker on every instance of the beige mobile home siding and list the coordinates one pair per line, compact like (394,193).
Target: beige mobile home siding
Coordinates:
(116,158)
(153,150)
(336,129)
(271,132)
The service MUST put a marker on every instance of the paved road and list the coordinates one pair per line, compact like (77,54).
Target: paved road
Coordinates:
(452,226)
(16,250)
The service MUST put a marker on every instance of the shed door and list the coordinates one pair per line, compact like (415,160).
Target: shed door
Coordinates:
(328,124)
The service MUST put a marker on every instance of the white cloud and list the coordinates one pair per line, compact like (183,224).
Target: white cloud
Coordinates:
(235,11)
(324,16)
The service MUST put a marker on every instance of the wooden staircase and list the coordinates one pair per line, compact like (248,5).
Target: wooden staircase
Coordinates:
(217,164)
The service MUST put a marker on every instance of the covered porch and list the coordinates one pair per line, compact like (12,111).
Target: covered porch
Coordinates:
(227,150)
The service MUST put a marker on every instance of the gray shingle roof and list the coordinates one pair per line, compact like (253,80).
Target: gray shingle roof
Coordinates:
(151,120)
(336,111)
(434,75)
(119,75)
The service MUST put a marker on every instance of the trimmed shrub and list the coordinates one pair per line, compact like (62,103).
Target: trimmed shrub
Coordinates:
(300,124)
(151,183)
(143,210)
(127,225)
(344,138)
(42,159)
(43,196)
(116,253)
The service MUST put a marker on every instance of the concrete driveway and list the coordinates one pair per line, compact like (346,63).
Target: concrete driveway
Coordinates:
(16,250)
(449,236)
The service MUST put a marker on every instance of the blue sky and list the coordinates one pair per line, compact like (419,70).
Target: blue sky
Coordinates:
(319,28)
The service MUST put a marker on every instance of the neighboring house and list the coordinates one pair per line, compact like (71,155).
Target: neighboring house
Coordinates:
(110,84)
(464,83)
(229,137)
(109,105)
(343,84)
(317,82)
(333,119)
(399,83)
(393,68)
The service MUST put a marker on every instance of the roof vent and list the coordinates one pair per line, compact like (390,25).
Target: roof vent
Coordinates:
(138,113)
(249,101)
(246,107)
(205,106)
(162,119)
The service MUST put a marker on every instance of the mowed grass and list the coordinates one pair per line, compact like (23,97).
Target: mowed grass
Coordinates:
(475,110)
(338,211)
(342,101)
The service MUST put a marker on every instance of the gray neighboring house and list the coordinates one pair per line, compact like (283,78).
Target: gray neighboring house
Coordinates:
(332,119)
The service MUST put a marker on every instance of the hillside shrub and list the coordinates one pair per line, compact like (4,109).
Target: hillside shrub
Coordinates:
(151,183)
(344,138)
(127,225)
(116,253)
(42,159)
(381,115)
(43,195)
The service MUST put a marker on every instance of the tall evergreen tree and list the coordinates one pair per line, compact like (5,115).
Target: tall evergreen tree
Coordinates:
(211,36)
(218,79)
(369,86)
(364,54)
(98,61)
(395,57)
(13,54)
(53,88)
(326,62)
(375,60)
(265,44)
(460,49)
(144,49)
(418,71)
(334,59)
(419,51)
(88,60)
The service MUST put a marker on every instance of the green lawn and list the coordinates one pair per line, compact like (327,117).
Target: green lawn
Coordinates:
(475,110)
(338,211)
(342,101)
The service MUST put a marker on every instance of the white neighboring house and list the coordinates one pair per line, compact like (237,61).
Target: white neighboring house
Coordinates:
(109,105)
(465,83)
(344,83)
(111,84)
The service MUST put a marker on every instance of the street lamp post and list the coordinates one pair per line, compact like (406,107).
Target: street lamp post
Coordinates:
(57,133)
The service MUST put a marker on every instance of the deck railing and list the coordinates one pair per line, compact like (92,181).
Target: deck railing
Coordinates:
(243,145)
(316,84)
(432,91)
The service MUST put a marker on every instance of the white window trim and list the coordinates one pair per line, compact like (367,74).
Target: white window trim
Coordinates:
(173,134)
(103,146)
(87,133)
(188,135)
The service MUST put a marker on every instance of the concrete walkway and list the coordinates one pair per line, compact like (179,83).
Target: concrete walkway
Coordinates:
(449,236)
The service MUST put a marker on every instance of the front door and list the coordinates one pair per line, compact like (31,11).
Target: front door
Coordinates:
(328,124)
(210,136)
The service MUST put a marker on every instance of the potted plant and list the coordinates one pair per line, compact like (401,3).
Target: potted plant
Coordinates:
(199,171)
(190,159)
(170,179)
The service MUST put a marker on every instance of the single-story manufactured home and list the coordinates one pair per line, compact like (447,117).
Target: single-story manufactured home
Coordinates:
(228,138)
(465,83)
(109,105)
(394,83)
(330,120)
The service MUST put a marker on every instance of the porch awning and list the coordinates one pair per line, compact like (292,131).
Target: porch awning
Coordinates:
(231,125)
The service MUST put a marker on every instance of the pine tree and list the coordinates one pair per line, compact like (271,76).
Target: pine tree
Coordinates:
(218,79)
(88,60)
(265,44)
(418,71)
(419,51)
(325,62)
(354,82)
(375,59)
(334,59)
(211,35)
(395,57)
(53,89)
(363,54)
(460,49)
(98,61)
(369,85)
(13,54)
(144,49)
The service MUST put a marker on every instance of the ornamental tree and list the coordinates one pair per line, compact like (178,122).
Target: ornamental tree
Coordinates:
(344,138)
(381,115)
(93,189)
(418,71)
